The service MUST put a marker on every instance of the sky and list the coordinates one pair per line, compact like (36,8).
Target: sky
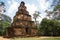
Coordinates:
(11,7)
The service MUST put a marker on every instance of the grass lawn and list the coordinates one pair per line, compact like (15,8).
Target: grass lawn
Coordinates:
(37,38)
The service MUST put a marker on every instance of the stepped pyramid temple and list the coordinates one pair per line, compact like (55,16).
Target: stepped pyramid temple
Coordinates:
(22,24)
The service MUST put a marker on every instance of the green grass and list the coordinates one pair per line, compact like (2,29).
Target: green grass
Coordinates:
(37,38)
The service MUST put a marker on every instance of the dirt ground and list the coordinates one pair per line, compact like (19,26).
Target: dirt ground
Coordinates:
(1,38)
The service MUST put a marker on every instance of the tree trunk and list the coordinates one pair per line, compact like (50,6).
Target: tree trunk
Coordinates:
(35,23)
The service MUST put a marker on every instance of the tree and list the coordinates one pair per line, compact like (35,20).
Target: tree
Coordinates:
(55,3)
(2,9)
(5,20)
(4,23)
(49,13)
(53,14)
(49,27)
(56,7)
(3,26)
(35,16)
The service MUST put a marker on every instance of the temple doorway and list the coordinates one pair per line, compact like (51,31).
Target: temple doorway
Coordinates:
(27,30)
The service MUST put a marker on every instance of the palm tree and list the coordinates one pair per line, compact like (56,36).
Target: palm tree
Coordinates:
(35,16)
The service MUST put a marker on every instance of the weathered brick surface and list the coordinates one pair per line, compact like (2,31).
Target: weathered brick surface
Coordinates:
(22,23)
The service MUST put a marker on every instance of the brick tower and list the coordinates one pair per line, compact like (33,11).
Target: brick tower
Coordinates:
(22,23)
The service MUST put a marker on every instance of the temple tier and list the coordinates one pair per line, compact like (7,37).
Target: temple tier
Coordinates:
(22,24)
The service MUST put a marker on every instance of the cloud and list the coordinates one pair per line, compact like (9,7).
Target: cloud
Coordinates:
(9,2)
(43,4)
(31,8)
(13,8)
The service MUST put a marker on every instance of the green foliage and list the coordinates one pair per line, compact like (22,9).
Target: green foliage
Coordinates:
(56,7)
(4,23)
(49,27)
(3,26)
(6,18)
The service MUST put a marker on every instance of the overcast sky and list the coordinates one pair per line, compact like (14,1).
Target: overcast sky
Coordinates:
(11,7)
